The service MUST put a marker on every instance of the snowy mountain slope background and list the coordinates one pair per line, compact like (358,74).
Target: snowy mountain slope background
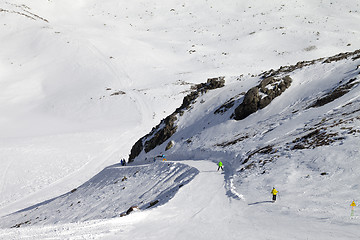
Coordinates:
(297,142)
(81,82)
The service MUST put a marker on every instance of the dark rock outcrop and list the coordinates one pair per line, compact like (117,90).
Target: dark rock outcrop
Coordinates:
(153,203)
(252,102)
(160,135)
(167,127)
(169,145)
(288,69)
(249,105)
(136,149)
(335,93)
(131,209)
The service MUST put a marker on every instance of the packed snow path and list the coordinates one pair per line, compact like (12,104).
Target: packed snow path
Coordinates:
(198,202)
(200,210)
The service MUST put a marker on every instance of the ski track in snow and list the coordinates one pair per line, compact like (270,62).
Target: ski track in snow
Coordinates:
(4,175)
(199,210)
(209,180)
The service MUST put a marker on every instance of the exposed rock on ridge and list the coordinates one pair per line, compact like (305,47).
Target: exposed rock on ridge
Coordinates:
(167,126)
(335,93)
(253,101)
(270,86)
(273,84)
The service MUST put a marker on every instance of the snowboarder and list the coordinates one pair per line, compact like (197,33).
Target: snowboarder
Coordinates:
(220,164)
(274,193)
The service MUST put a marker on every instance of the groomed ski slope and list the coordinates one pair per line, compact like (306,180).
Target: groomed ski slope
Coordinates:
(200,210)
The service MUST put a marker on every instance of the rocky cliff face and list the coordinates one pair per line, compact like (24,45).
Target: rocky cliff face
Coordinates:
(270,87)
(272,84)
(167,126)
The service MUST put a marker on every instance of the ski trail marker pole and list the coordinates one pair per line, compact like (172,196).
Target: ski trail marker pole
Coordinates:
(353,205)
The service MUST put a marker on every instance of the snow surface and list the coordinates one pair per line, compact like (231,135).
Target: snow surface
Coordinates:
(82,81)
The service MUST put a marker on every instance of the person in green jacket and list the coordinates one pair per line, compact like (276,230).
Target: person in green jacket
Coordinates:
(274,192)
(220,164)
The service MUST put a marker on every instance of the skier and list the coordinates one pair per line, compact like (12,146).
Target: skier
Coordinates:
(274,192)
(220,164)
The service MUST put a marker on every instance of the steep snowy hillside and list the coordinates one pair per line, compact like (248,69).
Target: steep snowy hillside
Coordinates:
(299,117)
(304,142)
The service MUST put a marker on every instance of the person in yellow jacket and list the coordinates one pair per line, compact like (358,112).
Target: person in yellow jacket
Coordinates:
(274,193)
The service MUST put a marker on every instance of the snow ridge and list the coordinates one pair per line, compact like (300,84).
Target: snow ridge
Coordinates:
(108,194)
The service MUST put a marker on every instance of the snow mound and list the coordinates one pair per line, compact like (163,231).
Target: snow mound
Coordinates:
(109,194)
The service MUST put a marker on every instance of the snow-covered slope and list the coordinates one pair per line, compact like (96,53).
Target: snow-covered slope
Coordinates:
(109,194)
(308,152)
(82,81)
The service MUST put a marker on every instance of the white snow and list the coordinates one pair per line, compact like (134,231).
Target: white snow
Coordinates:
(82,81)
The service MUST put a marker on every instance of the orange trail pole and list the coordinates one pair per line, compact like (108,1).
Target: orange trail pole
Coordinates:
(353,205)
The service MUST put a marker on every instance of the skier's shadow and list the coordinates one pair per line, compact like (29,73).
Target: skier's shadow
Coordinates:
(256,203)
